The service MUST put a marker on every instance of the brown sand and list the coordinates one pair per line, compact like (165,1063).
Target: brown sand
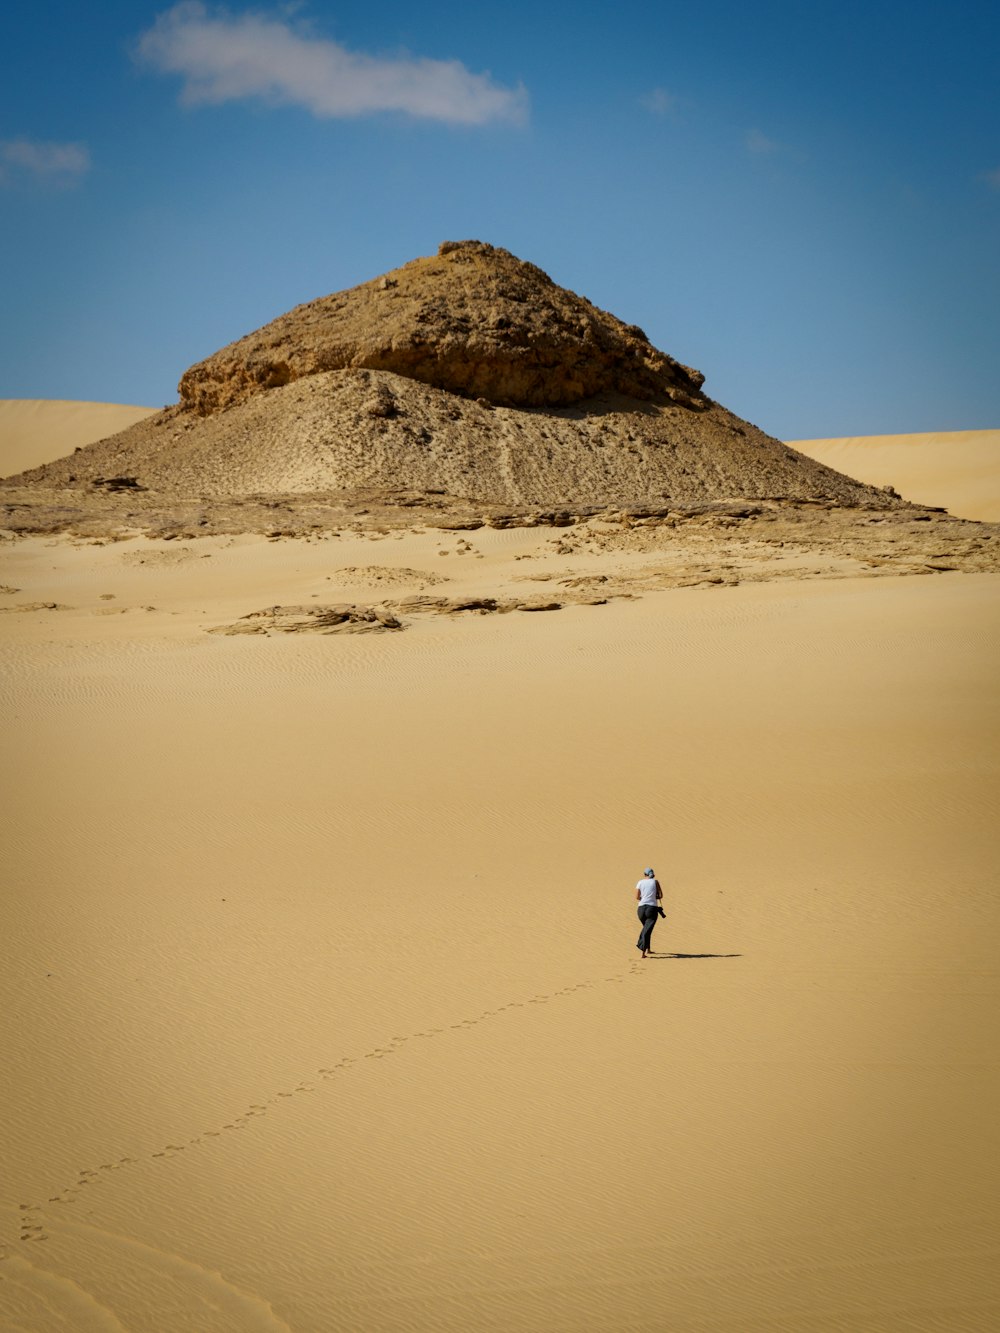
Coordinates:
(323,1010)
(34,431)
(958,469)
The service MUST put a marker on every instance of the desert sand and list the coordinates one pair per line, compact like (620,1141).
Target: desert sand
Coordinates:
(958,469)
(323,1005)
(344,703)
(34,431)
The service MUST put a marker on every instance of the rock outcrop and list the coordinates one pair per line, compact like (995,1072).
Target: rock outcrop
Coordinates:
(473,320)
(470,374)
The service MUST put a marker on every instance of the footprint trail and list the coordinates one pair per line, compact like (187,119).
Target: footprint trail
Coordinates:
(33,1219)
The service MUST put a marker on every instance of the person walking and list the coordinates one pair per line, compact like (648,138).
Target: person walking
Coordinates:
(648,895)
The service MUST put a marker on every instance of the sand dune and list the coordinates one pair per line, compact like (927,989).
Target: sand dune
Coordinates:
(34,431)
(323,1006)
(957,469)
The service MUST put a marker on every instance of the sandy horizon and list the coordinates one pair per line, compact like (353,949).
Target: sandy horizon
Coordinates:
(34,431)
(956,469)
(324,1007)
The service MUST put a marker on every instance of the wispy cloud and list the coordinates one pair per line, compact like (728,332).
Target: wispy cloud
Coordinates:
(37,160)
(759,145)
(992,178)
(659,102)
(225,57)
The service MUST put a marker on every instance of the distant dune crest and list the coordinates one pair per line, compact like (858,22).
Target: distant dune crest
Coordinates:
(957,469)
(34,431)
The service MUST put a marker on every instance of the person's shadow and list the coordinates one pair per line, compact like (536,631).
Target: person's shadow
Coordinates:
(694,955)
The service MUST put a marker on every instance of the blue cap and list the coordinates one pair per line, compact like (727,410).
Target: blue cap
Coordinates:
(649,872)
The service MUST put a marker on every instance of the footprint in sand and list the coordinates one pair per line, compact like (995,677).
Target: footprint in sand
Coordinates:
(33,1231)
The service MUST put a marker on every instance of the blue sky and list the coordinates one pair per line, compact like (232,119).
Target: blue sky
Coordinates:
(801,200)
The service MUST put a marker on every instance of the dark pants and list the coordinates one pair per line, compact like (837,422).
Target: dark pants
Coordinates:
(647,915)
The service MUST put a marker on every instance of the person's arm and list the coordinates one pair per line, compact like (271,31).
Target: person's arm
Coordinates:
(638,894)
(659,891)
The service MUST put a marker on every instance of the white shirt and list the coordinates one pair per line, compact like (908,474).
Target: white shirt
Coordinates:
(647,892)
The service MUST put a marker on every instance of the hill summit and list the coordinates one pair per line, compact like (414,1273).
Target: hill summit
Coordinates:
(469,372)
(473,320)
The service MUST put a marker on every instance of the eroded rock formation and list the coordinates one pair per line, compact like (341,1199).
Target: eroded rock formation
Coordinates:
(468,373)
(473,320)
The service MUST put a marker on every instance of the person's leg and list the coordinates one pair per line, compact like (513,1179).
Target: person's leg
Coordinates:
(647,915)
(651,921)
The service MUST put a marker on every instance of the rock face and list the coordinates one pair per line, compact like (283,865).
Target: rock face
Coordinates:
(469,373)
(473,320)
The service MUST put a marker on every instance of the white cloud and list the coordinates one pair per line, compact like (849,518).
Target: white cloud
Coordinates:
(225,57)
(56,163)
(660,102)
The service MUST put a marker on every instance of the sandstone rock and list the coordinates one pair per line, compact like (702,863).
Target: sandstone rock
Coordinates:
(473,319)
(239,628)
(116,483)
(349,618)
(382,402)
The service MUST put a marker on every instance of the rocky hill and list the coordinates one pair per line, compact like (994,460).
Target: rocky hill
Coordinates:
(469,372)
(473,320)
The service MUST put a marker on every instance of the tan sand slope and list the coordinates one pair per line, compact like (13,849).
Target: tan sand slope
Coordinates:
(323,1008)
(364,428)
(34,431)
(957,469)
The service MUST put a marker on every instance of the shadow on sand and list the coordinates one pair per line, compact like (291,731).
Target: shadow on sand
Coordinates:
(695,955)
